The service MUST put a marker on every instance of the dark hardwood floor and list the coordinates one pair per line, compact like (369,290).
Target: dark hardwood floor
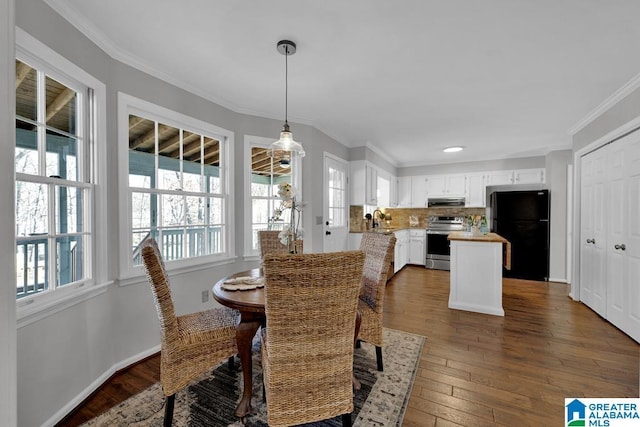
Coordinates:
(477,369)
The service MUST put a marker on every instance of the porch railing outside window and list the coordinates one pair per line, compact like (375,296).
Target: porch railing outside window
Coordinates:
(53,192)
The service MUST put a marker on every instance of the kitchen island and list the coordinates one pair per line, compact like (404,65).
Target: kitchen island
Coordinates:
(476,271)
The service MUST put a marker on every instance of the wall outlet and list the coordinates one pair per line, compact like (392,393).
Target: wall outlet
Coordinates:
(205,296)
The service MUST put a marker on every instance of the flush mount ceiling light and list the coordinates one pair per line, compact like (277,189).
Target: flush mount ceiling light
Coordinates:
(286,143)
(453,149)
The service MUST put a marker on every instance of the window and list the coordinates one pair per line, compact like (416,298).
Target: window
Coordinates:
(264,194)
(177,184)
(53,192)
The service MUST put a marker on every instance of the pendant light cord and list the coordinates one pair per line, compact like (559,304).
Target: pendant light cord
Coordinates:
(286,84)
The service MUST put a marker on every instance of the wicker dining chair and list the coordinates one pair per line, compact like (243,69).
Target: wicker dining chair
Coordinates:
(191,344)
(307,352)
(379,249)
(270,243)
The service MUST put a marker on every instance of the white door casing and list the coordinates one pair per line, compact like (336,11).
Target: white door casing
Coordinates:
(335,209)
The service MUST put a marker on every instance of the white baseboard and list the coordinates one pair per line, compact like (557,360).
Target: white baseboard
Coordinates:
(58,416)
(551,279)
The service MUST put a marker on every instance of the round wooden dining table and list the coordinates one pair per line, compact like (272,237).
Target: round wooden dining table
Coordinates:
(250,304)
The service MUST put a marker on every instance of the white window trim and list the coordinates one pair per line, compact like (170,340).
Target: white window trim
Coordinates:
(249,142)
(128,104)
(35,307)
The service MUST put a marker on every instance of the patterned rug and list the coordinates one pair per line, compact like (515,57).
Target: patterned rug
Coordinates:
(211,400)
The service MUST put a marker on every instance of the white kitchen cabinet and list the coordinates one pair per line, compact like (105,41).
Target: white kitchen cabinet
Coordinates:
(404,192)
(417,243)
(393,191)
(518,176)
(610,233)
(400,253)
(475,191)
(384,190)
(364,183)
(371,185)
(419,190)
(446,185)
(528,176)
(499,177)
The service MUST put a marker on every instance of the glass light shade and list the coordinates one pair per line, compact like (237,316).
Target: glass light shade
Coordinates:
(287,144)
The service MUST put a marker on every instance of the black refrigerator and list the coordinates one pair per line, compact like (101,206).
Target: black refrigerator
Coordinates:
(522,217)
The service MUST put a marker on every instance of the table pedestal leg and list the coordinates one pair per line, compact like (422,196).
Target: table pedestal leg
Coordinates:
(245,332)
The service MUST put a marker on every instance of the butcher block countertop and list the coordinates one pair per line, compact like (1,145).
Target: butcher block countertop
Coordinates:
(487,238)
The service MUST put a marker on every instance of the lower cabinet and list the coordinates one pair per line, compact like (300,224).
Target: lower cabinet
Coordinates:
(400,253)
(417,243)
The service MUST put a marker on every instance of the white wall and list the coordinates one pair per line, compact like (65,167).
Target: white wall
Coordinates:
(556,172)
(8,377)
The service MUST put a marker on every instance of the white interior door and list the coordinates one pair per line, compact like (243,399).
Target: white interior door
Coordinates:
(616,202)
(632,238)
(593,290)
(335,204)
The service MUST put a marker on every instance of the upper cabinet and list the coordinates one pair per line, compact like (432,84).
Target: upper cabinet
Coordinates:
(528,176)
(475,191)
(518,176)
(419,189)
(446,185)
(499,178)
(372,186)
(404,192)
(364,183)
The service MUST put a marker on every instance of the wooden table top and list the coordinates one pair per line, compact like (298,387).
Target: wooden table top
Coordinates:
(249,300)
(467,236)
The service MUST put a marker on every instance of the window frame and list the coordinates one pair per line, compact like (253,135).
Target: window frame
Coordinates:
(39,56)
(127,105)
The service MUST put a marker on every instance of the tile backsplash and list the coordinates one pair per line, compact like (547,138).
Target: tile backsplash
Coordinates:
(400,216)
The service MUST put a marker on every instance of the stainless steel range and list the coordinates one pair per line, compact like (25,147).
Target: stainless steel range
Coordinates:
(437,246)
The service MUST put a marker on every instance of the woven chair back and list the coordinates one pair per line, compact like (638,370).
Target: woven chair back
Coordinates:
(270,243)
(310,306)
(159,281)
(378,249)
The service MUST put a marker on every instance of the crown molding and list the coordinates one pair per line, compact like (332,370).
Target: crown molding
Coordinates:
(612,100)
(81,23)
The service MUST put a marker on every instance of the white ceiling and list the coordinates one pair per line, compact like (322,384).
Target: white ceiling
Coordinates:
(503,78)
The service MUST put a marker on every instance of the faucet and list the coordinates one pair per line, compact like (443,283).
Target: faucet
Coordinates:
(381,216)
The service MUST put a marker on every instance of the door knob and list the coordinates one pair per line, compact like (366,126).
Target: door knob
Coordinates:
(621,247)
(327,233)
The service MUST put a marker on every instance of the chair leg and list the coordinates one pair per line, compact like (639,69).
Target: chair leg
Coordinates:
(358,345)
(168,410)
(379,358)
(232,364)
(346,420)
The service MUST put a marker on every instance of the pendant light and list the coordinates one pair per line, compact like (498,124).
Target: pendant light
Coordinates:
(285,149)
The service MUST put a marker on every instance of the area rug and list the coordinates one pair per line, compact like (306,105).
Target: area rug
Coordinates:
(211,400)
